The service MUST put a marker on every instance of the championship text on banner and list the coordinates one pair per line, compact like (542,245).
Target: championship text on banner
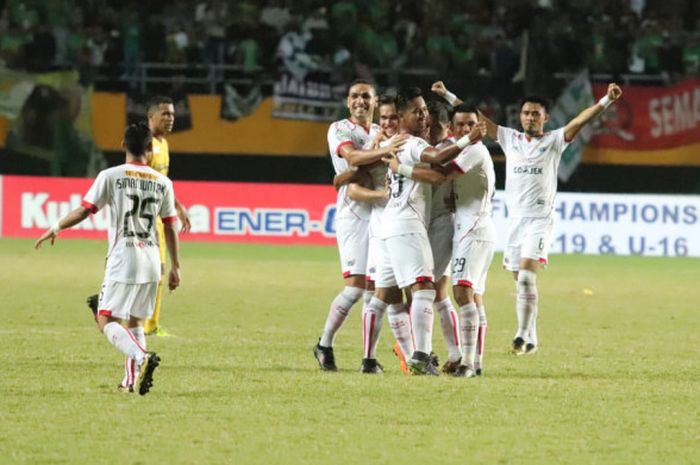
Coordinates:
(598,224)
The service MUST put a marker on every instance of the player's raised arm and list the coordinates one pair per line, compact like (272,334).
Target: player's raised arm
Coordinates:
(583,118)
(491,128)
(68,221)
(439,88)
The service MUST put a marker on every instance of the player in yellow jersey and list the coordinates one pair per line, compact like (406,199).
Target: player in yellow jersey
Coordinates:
(161,117)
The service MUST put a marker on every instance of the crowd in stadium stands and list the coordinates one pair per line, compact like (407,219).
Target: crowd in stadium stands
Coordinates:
(484,37)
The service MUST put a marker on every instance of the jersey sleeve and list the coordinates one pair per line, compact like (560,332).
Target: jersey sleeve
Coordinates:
(167,209)
(468,159)
(560,140)
(338,136)
(418,146)
(504,137)
(98,195)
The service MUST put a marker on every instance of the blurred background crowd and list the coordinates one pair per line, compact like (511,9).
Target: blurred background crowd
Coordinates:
(109,40)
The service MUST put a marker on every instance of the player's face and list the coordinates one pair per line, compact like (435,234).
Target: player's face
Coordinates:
(414,116)
(162,119)
(388,119)
(361,102)
(462,123)
(532,118)
(437,131)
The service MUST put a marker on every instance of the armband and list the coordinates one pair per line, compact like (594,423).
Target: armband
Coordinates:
(605,101)
(405,171)
(450,97)
(463,141)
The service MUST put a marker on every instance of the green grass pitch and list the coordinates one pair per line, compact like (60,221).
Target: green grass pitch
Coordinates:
(616,380)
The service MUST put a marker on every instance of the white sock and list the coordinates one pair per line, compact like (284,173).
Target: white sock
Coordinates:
(340,307)
(372,317)
(526,305)
(400,324)
(422,319)
(122,339)
(367,297)
(532,336)
(481,338)
(468,325)
(130,367)
(450,328)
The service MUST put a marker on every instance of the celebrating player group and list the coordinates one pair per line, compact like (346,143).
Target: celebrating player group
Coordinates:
(414,213)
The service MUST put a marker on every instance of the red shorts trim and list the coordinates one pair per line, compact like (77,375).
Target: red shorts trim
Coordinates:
(342,144)
(543,261)
(93,209)
(169,219)
(464,282)
(346,274)
(424,279)
(105,312)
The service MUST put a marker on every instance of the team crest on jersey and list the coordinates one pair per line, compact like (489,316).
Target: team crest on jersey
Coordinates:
(350,262)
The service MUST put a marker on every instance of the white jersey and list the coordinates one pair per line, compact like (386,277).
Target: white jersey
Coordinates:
(136,195)
(442,192)
(408,208)
(378,176)
(341,133)
(474,190)
(531,171)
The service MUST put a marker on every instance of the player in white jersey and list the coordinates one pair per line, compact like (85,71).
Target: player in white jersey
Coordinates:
(473,181)
(136,195)
(349,142)
(407,260)
(532,162)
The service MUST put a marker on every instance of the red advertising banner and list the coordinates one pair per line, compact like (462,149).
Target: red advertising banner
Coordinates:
(650,125)
(227,212)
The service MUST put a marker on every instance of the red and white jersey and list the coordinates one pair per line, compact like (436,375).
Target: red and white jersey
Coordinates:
(408,208)
(136,195)
(378,176)
(531,171)
(442,192)
(341,133)
(474,190)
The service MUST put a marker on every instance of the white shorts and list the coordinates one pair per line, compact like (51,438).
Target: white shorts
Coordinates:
(406,259)
(122,300)
(527,238)
(353,240)
(374,258)
(471,259)
(440,232)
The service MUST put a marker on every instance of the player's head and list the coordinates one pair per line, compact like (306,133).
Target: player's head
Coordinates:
(161,115)
(412,110)
(388,117)
(361,101)
(534,113)
(137,140)
(465,117)
(438,121)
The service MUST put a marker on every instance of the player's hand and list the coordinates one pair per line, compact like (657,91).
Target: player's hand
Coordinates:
(49,234)
(482,127)
(393,164)
(173,279)
(396,143)
(614,91)
(184,219)
(439,88)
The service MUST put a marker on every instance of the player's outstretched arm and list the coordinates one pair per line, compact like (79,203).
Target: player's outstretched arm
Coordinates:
(70,220)
(435,175)
(439,88)
(173,245)
(438,157)
(583,118)
(345,177)
(183,217)
(356,157)
(363,194)
(491,127)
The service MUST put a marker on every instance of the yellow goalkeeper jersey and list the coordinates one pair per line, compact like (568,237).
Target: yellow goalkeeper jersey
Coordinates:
(160,160)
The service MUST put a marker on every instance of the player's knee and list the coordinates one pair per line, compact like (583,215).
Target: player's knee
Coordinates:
(463,294)
(527,284)
(353,293)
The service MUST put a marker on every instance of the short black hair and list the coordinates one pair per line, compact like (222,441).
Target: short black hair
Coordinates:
(465,108)
(359,81)
(535,99)
(439,110)
(387,99)
(405,95)
(155,101)
(137,138)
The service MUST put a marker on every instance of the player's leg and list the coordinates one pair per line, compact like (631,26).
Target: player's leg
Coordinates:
(481,335)
(511,262)
(412,262)
(352,245)
(152,326)
(141,310)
